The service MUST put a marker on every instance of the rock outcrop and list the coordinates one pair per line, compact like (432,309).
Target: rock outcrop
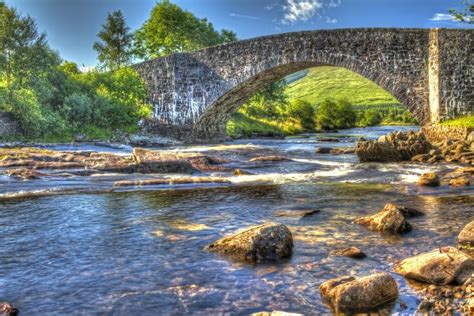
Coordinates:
(466,236)
(391,219)
(262,243)
(394,147)
(362,295)
(441,266)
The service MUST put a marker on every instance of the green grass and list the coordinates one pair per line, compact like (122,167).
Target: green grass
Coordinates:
(339,83)
(464,121)
(241,125)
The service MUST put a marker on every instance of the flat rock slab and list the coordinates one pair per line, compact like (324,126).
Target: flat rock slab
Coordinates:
(298,213)
(390,219)
(466,236)
(262,243)
(351,252)
(360,295)
(6,309)
(429,180)
(441,266)
(269,159)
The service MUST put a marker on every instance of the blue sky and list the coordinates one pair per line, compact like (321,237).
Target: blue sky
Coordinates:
(72,25)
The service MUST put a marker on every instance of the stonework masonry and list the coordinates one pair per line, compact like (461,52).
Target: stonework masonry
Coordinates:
(194,94)
(8,126)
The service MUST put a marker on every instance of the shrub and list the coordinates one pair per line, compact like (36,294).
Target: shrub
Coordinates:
(335,114)
(302,111)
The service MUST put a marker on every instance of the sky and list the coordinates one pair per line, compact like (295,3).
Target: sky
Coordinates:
(72,25)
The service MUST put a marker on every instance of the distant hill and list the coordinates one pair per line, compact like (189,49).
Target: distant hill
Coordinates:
(320,83)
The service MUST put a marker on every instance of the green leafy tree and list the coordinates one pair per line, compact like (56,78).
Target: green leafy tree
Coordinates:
(171,29)
(467,15)
(335,114)
(268,102)
(302,111)
(114,46)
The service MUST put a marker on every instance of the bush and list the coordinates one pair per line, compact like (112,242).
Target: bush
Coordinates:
(335,114)
(302,111)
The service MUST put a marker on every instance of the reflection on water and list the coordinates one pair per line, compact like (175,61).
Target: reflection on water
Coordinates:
(141,252)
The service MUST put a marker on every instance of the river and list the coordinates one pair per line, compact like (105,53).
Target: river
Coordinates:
(79,246)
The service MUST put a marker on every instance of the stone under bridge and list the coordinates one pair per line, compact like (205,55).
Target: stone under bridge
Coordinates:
(430,71)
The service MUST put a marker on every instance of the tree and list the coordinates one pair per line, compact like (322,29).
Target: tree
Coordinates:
(267,101)
(467,16)
(171,29)
(24,52)
(114,46)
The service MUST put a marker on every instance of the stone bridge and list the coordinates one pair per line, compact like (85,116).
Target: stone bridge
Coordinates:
(430,71)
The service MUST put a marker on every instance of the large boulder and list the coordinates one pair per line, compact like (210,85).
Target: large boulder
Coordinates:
(390,219)
(266,242)
(441,266)
(350,295)
(394,147)
(466,236)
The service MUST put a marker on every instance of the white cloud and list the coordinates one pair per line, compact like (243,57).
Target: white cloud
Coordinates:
(442,17)
(330,20)
(300,10)
(334,3)
(243,16)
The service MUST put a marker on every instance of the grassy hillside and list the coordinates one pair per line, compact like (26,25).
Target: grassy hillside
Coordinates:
(464,121)
(339,83)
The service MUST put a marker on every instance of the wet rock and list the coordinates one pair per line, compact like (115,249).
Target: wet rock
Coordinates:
(351,252)
(394,147)
(7,309)
(390,219)
(460,182)
(262,243)
(335,151)
(269,159)
(303,212)
(171,181)
(429,180)
(323,150)
(25,174)
(466,236)
(152,141)
(350,295)
(441,266)
(328,139)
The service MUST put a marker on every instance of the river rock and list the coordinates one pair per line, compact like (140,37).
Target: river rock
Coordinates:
(25,174)
(262,243)
(276,313)
(298,212)
(351,252)
(394,147)
(328,139)
(362,295)
(7,309)
(269,159)
(322,150)
(429,179)
(461,181)
(466,236)
(390,219)
(441,266)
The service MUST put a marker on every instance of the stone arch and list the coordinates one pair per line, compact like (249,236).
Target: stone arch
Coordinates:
(212,123)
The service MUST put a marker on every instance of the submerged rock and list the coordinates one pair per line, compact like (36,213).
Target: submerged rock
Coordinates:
(441,266)
(351,252)
(466,236)
(335,151)
(429,179)
(269,158)
(276,313)
(266,242)
(394,147)
(171,181)
(390,219)
(299,212)
(25,174)
(350,295)
(7,309)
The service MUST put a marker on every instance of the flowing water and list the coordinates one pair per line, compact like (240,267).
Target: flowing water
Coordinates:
(80,246)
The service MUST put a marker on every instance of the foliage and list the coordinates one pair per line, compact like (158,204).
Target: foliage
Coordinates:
(269,102)
(302,111)
(464,121)
(467,15)
(171,29)
(114,46)
(335,114)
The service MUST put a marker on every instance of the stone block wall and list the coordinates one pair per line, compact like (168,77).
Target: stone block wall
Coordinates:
(8,127)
